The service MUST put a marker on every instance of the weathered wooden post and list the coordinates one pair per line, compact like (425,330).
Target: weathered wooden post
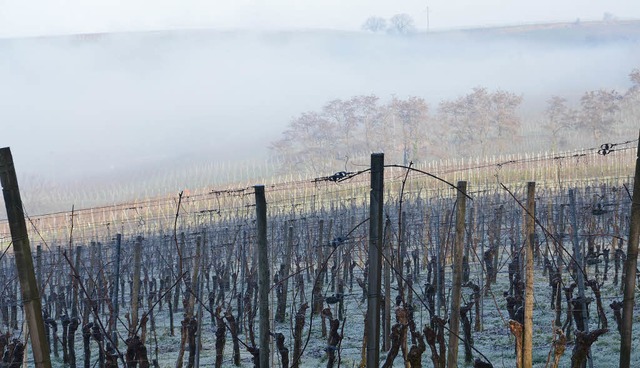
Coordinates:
(630,264)
(195,276)
(386,345)
(375,260)
(114,296)
(577,254)
(456,288)
(439,266)
(318,300)
(24,262)
(135,291)
(76,282)
(284,278)
(39,268)
(263,275)
(527,346)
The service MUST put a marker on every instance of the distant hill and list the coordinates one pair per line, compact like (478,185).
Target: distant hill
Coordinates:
(574,32)
(562,32)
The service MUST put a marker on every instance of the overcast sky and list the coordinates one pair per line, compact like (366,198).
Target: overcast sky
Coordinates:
(46,17)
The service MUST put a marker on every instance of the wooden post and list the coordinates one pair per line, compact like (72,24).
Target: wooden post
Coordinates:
(456,289)
(630,265)
(577,253)
(284,277)
(114,296)
(375,260)
(39,268)
(24,262)
(559,262)
(498,244)
(197,290)
(195,287)
(439,266)
(243,267)
(76,282)
(386,345)
(318,300)
(482,270)
(263,275)
(527,336)
(135,292)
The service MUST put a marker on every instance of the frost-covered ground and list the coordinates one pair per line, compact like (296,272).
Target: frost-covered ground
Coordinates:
(494,341)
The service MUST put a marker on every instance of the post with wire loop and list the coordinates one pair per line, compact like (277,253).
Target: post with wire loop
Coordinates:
(375,260)
(630,265)
(24,263)
(114,296)
(527,336)
(456,289)
(263,276)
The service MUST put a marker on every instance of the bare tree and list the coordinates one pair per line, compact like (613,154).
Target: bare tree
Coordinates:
(630,103)
(418,134)
(323,141)
(482,120)
(599,114)
(558,118)
(401,24)
(375,24)
(308,141)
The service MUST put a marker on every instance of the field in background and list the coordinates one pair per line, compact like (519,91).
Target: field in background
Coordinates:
(209,205)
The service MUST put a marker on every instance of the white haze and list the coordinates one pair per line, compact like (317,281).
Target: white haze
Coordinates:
(93,107)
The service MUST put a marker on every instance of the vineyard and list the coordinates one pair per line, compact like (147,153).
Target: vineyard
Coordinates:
(176,281)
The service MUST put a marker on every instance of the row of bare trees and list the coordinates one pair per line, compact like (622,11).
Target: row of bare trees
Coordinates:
(599,112)
(482,122)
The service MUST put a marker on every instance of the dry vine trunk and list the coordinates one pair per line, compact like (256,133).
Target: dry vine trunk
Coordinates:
(220,338)
(414,357)
(617,314)
(397,331)
(192,330)
(86,339)
(283,350)
(233,328)
(596,292)
(71,336)
(583,344)
(333,341)
(297,334)
(136,353)
(558,347)
(436,336)
(517,330)
(466,327)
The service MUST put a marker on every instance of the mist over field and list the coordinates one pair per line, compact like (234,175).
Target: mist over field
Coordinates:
(96,109)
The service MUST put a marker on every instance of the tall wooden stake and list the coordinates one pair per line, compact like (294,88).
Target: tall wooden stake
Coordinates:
(135,292)
(39,268)
(386,341)
(286,268)
(114,296)
(456,288)
(577,253)
(375,260)
(263,275)
(24,262)
(76,282)
(527,346)
(630,265)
